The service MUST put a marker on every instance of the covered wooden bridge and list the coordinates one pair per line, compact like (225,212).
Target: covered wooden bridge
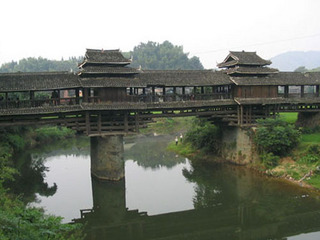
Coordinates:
(107,96)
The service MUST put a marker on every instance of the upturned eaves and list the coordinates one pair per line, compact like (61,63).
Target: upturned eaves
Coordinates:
(243,58)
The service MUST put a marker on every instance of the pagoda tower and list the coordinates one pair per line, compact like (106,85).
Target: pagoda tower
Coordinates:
(101,69)
(246,64)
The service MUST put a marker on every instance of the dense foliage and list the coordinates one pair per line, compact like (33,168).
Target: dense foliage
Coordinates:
(41,65)
(18,221)
(205,136)
(276,136)
(163,56)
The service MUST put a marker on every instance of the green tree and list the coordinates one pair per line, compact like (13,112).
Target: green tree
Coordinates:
(301,69)
(204,135)
(163,56)
(276,136)
(41,65)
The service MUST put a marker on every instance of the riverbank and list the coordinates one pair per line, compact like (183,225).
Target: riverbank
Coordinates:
(301,166)
(17,220)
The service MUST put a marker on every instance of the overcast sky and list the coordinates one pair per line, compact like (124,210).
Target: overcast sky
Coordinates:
(205,28)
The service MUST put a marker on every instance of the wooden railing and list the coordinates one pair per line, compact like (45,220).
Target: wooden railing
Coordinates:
(177,97)
(39,103)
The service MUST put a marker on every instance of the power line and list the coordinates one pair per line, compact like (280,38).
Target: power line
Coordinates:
(258,44)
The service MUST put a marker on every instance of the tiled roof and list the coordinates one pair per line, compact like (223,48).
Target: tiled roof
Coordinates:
(281,78)
(38,81)
(243,58)
(107,70)
(112,82)
(184,78)
(95,56)
(250,70)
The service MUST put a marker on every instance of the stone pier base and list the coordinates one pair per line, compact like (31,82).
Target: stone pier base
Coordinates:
(308,119)
(107,161)
(237,146)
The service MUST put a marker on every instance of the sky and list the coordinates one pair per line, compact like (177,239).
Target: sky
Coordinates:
(208,29)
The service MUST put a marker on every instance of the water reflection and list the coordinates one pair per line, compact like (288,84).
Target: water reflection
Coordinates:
(229,203)
(164,197)
(150,152)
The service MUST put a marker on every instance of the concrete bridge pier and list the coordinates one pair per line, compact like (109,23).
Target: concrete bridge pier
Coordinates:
(238,146)
(107,162)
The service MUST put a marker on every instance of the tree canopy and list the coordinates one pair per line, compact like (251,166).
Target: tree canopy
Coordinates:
(41,65)
(150,55)
(163,56)
(303,69)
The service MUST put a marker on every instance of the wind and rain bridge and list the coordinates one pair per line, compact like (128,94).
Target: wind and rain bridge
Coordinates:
(108,99)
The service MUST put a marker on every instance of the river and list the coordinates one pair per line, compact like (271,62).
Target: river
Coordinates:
(164,196)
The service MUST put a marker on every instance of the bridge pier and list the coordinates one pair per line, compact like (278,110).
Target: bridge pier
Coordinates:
(238,146)
(107,161)
(308,119)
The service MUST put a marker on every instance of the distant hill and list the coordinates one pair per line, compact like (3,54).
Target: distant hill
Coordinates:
(290,61)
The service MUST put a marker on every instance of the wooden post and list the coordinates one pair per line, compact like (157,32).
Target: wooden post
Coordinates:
(286,91)
(126,127)
(174,93)
(6,99)
(317,90)
(99,122)
(77,96)
(238,114)
(153,94)
(86,94)
(131,91)
(241,114)
(32,103)
(302,91)
(88,123)
(164,93)
(137,122)
(58,101)
(202,90)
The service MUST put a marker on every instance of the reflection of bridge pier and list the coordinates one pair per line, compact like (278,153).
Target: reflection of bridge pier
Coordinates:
(109,219)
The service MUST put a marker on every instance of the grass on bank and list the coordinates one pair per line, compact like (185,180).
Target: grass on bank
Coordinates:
(289,117)
(304,159)
(174,125)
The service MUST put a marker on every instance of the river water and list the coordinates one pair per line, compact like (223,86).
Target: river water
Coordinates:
(164,196)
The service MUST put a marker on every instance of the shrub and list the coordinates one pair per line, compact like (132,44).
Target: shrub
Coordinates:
(46,134)
(269,160)
(309,159)
(203,135)
(276,136)
(16,141)
(314,149)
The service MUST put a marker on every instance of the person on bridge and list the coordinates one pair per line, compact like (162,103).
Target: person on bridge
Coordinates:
(176,139)
(181,137)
